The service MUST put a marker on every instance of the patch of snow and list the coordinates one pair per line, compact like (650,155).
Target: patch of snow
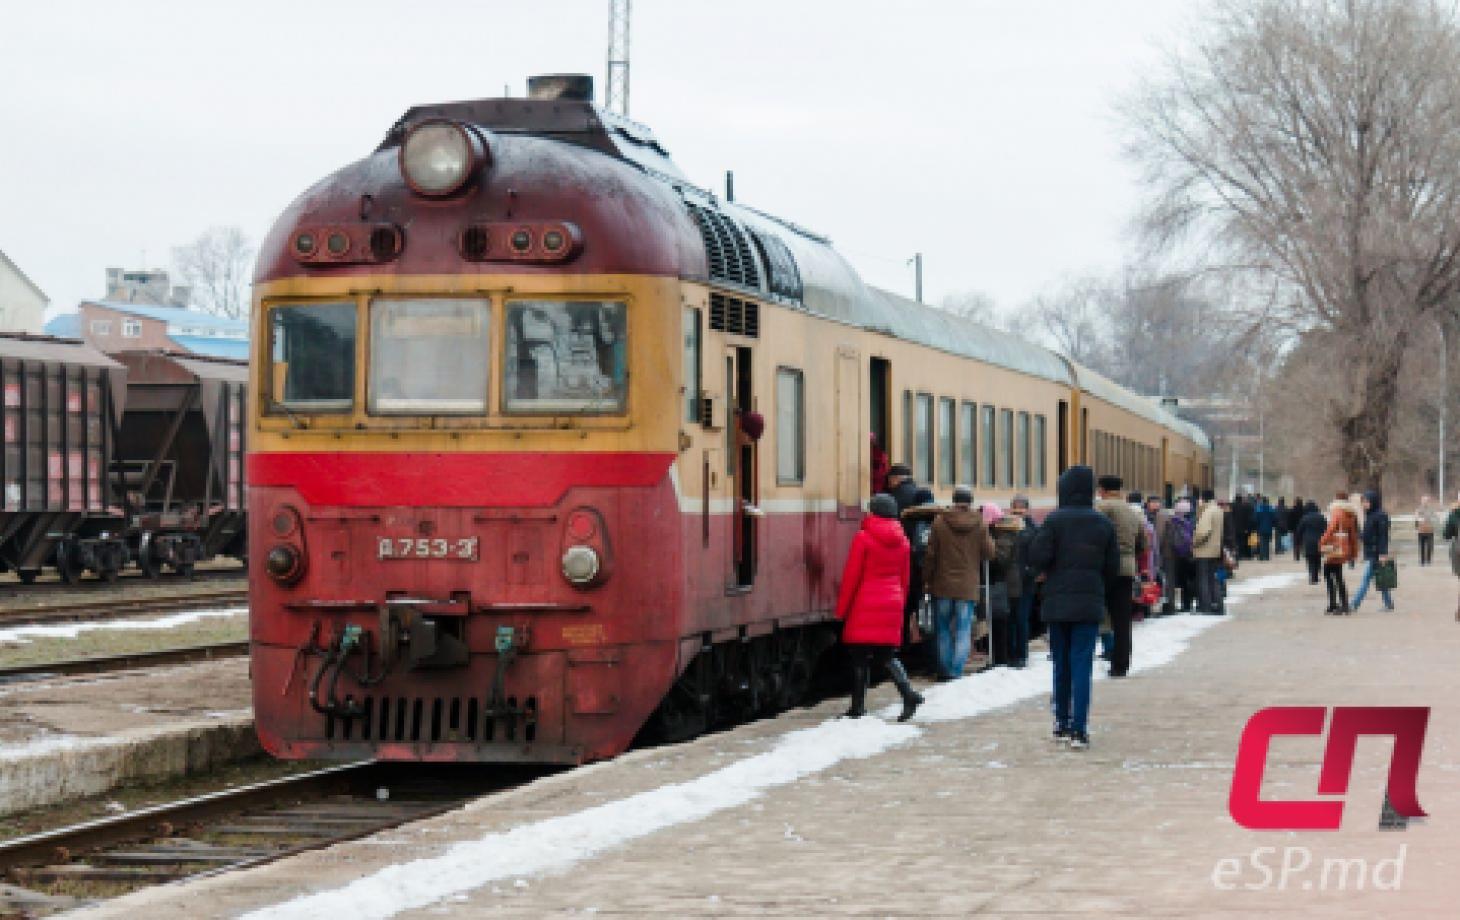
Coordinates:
(557,843)
(72,630)
(46,745)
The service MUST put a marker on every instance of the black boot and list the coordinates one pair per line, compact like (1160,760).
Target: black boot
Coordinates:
(911,699)
(859,689)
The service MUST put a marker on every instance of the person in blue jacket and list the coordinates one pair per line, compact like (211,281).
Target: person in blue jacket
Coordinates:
(1265,520)
(1375,539)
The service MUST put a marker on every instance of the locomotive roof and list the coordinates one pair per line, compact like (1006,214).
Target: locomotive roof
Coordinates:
(827,284)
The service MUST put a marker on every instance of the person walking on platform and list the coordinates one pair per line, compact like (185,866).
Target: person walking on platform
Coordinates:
(1023,611)
(1264,522)
(1130,534)
(1452,535)
(1426,522)
(1309,537)
(870,604)
(1077,553)
(1241,518)
(1207,541)
(1375,540)
(1280,528)
(1339,545)
(1295,517)
(952,567)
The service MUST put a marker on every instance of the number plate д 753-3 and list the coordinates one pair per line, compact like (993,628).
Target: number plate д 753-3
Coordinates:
(459,549)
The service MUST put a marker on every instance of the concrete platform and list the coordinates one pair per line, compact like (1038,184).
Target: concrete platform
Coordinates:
(71,737)
(809,816)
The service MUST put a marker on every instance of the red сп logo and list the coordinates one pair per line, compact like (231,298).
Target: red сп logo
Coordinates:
(1406,724)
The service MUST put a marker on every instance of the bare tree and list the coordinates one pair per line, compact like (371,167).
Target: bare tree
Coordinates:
(1317,143)
(974,305)
(218,266)
(1074,316)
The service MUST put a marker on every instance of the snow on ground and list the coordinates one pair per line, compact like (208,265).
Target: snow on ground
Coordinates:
(72,630)
(557,843)
(48,745)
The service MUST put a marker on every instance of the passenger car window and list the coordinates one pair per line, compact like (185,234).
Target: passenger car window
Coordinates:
(312,351)
(429,356)
(566,357)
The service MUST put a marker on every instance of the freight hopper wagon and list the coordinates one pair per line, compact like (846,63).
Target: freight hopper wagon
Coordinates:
(179,462)
(61,402)
(549,444)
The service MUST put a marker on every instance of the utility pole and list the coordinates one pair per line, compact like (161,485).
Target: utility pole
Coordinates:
(616,93)
(1444,402)
(917,263)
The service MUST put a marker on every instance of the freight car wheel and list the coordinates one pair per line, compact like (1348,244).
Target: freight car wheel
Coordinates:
(184,569)
(147,558)
(69,564)
(27,576)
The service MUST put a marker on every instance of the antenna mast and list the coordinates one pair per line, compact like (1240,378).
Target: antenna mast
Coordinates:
(616,94)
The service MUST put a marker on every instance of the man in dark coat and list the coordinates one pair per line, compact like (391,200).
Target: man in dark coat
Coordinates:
(1295,517)
(1242,520)
(1076,553)
(908,494)
(1375,538)
(1308,535)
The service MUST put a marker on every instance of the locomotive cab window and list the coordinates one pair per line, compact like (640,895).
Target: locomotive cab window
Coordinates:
(566,357)
(429,356)
(312,356)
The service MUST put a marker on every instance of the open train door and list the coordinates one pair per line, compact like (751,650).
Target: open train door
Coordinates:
(742,459)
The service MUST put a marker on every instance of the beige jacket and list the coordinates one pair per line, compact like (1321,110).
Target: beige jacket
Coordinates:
(1206,540)
(1130,532)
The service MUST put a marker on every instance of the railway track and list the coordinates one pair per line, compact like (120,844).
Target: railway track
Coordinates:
(230,829)
(106,664)
(118,607)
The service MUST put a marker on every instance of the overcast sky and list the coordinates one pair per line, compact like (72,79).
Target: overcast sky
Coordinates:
(980,132)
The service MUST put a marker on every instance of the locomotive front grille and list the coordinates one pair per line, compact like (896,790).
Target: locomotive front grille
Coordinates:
(436,720)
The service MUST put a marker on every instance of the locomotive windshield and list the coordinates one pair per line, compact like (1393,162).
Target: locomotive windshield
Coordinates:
(429,356)
(566,357)
(313,352)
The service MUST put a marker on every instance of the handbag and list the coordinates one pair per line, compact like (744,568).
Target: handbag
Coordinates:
(924,616)
(1386,576)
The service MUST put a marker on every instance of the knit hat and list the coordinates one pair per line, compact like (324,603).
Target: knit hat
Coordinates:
(883,505)
(899,469)
(1134,498)
(1208,495)
(962,495)
(991,513)
(1111,483)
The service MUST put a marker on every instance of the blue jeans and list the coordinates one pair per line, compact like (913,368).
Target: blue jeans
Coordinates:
(1073,645)
(952,627)
(1019,628)
(1364,580)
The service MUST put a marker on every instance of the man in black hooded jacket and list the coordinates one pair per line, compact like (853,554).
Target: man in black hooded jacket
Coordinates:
(1308,536)
(1375,537)
(1076,553)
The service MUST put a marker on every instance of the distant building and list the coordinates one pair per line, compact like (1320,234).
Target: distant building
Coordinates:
(143,311)
(22,304)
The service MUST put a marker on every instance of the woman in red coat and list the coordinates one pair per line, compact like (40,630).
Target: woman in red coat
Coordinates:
(870,604)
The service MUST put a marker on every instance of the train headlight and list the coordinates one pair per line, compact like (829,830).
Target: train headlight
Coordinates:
(437,158)
(580,565)
(284,564)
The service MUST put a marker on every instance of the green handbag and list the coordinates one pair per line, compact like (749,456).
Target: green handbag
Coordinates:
(1386,576)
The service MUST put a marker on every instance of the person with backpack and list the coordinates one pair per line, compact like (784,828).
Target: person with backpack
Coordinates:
(1309,536)
(1179,533)
(908,494)
(1375,540)
(1264,522)
(870,604)
(1006,582)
